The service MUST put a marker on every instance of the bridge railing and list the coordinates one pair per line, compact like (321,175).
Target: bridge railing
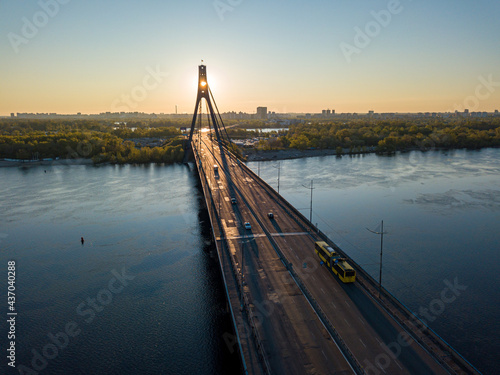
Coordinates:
(312,301)
(238,282)
(408,314)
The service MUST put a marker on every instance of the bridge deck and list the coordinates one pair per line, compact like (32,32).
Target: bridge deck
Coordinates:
(302,319)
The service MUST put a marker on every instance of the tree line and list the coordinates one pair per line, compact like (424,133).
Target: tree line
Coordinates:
(99,141)
(387,136)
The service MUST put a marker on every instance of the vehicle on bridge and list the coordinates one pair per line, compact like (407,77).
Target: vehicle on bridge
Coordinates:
(335,262)
(216,171)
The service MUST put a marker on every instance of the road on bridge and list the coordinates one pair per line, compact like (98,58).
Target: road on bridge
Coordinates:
(293,335)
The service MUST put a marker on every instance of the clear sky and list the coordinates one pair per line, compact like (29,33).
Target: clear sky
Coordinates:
(69,56)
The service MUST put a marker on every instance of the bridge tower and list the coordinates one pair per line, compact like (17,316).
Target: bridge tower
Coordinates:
(205,93)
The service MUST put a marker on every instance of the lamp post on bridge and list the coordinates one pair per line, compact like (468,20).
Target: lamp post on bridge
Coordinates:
(381,247)
(218,193)
(278,167)
(311,205)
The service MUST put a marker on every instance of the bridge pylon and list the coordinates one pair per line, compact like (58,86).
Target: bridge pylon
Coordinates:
(204,93)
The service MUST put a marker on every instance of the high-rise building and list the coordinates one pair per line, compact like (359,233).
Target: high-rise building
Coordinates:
(262,112)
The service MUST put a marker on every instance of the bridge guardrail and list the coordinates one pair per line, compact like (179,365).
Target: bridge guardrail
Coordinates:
(312,301)
(237,280)
(432,335)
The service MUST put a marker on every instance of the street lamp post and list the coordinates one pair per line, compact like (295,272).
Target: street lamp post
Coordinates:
(311,205)
(218,193)
(279,167)
(381,247)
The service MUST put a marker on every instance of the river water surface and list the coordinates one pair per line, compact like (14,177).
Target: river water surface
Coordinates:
(165,314)
(143,295)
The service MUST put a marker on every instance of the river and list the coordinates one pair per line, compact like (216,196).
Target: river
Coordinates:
(143,294)
(165,312)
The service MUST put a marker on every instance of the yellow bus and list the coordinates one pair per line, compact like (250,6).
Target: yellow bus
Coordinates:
(335,262)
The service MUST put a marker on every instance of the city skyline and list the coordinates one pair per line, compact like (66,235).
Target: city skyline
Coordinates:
(387,56)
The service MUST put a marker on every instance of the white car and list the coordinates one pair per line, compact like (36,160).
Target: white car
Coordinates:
(247,225)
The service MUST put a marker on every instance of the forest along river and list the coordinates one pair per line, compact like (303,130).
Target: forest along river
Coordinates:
(441,212)
(144,291)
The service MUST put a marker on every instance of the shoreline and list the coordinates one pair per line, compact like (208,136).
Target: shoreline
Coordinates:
(250,155)
(269,155)
(36,163)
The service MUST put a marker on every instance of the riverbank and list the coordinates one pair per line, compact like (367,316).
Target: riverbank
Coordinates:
(269,155)
(266,155)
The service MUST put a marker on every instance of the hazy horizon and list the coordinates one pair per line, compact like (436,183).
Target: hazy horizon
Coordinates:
(63,56)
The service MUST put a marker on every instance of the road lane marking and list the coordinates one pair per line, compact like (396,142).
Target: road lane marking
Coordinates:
(290,234)
(323,290)
(361,321)
(347,322)
(334,305)
(324,355)
(264,235)
(347,303)
(362,343)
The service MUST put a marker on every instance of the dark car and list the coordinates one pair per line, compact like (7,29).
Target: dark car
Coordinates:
(270,215)
(233,200)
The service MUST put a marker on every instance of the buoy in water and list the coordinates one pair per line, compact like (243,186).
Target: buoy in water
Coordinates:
(82,240)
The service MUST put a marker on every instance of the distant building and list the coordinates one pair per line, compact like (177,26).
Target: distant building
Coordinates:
(262,113)
(12,115)
(370,113)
